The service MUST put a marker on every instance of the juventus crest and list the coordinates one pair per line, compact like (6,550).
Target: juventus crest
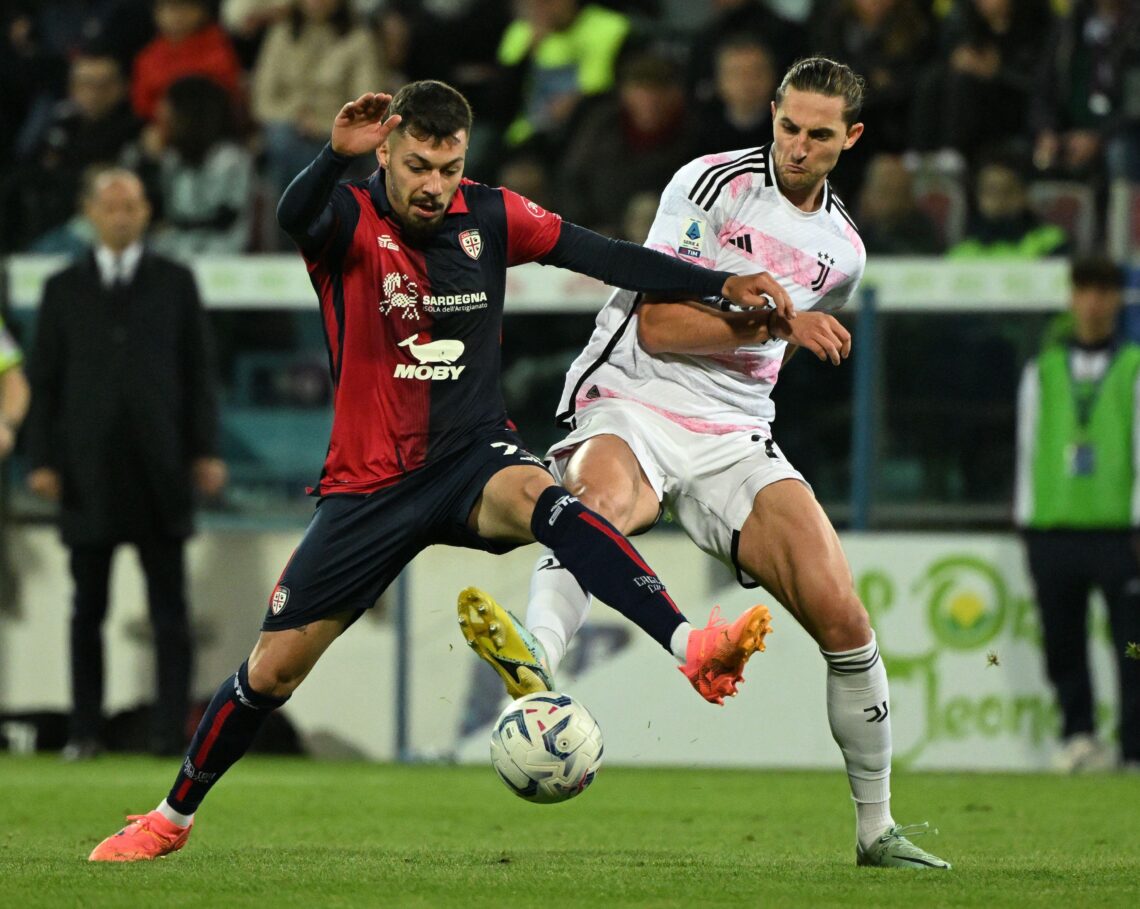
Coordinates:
(824,261)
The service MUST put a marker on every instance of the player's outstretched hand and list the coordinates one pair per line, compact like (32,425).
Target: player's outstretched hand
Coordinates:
(818,332)
(757,291)
(360,127)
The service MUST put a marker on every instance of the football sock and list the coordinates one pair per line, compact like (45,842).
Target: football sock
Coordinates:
(556,609)
(858,711)
(227,729)
(175,817)
(679,643)
(605,563)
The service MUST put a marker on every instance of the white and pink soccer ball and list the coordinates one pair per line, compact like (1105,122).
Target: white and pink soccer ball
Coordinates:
(546,747)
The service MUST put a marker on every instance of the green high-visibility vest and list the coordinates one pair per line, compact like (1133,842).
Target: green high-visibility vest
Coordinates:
(1095,494)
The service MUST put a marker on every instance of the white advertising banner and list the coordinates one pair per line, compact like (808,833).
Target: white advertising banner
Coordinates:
(956,626)
(955,619)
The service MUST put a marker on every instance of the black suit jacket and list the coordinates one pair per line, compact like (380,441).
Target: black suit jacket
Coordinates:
(124,398)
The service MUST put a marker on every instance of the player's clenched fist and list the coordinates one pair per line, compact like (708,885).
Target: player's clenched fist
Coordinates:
(818,332)
(756,291)
(360,128)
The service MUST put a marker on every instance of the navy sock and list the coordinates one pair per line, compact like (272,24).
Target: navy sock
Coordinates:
(227,729)
(605,563)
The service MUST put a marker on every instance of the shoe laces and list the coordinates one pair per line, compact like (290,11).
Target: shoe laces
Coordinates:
(716,620)
(909,830)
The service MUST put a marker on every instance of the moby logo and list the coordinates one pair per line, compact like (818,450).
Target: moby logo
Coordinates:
(445,351)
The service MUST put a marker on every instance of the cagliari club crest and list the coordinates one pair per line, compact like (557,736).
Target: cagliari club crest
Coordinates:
(471,243)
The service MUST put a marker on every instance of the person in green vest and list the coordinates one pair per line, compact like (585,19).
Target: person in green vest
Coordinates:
(1078,504)
(1002,223)
(562,51)
(14,394)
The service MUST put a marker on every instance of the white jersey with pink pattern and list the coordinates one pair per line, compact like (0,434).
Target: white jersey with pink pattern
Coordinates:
(721,211)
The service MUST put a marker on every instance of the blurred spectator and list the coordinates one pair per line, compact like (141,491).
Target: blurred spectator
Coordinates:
(528,175)
(41,38)
(119,28)
(632,141)
(740,116)
(457,42)
(14,391)
(888,42)
(91,126)
(978,93)
(189,42)
(310,62)
(1086,112)
(1078,504)
(123,428)
(246,22)
(732,18)
(1001,224)
(555,53)
(199,175)
(890,222)
(31,77)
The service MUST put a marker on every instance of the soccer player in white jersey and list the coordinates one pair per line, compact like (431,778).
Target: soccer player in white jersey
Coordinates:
(669,405)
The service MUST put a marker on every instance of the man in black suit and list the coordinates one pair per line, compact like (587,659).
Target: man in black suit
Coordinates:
(123,428)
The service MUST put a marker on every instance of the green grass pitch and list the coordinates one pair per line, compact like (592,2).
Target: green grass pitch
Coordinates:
(281,832)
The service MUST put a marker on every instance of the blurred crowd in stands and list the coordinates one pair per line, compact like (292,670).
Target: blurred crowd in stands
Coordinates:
(994,127)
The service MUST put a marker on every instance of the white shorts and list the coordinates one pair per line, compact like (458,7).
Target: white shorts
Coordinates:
(707,481)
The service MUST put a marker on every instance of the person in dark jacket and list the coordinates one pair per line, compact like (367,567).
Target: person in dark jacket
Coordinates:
(123,429)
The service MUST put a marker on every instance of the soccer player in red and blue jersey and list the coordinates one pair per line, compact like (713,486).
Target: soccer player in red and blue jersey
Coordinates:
(410,269)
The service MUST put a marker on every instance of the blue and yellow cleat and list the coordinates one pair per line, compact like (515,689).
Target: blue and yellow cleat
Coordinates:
(504,642)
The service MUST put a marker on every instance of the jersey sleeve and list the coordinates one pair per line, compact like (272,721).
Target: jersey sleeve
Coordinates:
(682,228)
(532,231)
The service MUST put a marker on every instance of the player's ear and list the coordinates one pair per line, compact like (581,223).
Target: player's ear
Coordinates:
(383,154)
(854,131)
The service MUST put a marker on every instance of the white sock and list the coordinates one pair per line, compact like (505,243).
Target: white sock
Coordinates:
(679,643)
(182,820)
(858,711)
(557,607)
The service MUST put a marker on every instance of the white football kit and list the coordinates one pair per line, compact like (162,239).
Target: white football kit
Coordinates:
(700,425)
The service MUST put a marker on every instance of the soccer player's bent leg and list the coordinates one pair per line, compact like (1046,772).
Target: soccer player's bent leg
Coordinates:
(788,545)
(605,563)
(605,476)
(279,663)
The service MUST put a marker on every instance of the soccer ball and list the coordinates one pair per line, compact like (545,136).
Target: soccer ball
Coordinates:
(546,747)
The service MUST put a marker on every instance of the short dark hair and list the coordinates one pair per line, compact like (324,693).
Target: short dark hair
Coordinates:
(826,77)
(1096,271)
(431,110)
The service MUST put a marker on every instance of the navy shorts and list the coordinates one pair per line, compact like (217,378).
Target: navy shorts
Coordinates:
(356,545)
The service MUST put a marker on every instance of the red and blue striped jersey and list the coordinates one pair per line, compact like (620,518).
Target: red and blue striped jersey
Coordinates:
(414,330)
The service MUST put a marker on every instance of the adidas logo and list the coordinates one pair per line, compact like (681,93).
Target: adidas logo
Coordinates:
(744,241)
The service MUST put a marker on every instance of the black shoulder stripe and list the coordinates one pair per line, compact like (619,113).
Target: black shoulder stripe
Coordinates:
(710,176)
(834,203)
(758,168)
(565,418)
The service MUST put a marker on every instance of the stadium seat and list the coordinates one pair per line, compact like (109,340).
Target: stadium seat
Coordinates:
(1069,205)
(1123,230)
(943,199)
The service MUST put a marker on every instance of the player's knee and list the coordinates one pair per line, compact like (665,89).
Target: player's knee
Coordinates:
(612,504)
(274,678)
(844,625)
